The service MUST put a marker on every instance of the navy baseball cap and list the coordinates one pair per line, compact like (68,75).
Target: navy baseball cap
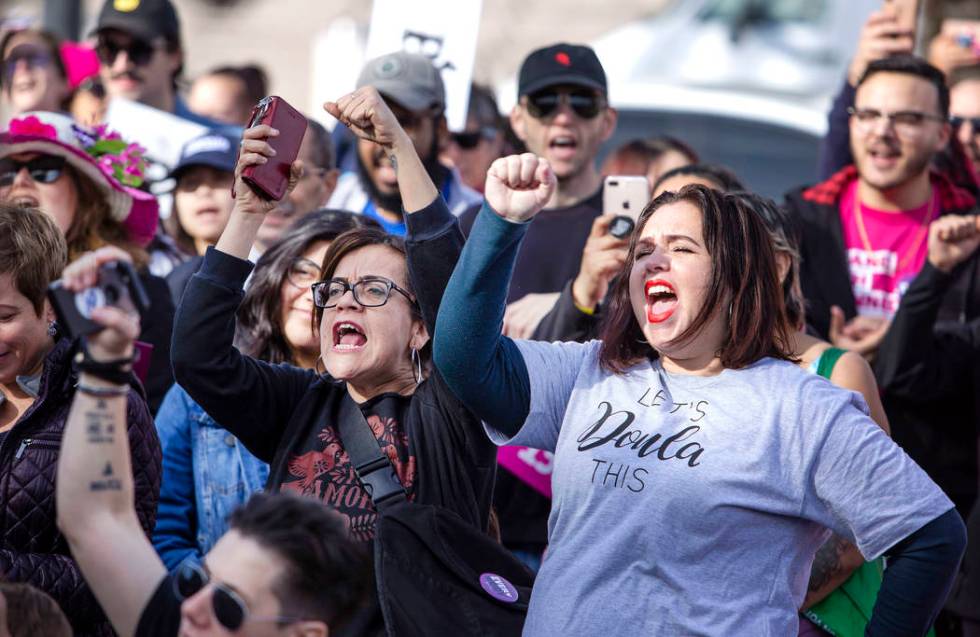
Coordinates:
(215,149)
(561,63)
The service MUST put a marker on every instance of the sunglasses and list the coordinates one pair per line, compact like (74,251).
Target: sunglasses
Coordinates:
(45,169)
(585,104)
(33,57)
(469,141)
(229,608)
(959,121)
(139,52)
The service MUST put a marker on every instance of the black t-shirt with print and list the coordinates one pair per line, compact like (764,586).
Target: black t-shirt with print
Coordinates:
(161,616)
(321,468)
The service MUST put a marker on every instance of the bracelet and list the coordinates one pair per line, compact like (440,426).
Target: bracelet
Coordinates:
(118,371)
(102,392)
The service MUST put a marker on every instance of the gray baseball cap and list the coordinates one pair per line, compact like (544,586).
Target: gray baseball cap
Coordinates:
(409,79)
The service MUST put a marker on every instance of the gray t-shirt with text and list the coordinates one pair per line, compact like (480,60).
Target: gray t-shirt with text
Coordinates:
(692,505)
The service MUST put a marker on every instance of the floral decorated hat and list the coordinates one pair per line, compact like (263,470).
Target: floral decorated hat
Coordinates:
(114,166)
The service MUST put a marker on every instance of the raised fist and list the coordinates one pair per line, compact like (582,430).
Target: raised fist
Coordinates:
(364,112)
(519,186)
(952,239)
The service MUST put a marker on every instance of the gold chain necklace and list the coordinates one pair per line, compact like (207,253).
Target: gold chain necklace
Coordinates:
(917,240)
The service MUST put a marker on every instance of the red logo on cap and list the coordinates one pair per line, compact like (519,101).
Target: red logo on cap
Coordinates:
(563,59)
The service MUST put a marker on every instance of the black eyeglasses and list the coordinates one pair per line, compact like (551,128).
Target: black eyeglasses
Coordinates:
(371,292)
(303,273)
(44,169)
(585,104)
(138,51)
(229,608)
(959,121)
(905,122)
(469,141)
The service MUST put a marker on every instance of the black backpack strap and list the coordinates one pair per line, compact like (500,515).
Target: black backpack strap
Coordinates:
(373,468)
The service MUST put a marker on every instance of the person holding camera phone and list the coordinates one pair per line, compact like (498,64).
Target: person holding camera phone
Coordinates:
(37,387)
(372,321)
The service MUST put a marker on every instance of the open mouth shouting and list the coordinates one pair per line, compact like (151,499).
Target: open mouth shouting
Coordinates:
(348,337)
(884,156)
(562,146)
(661,300)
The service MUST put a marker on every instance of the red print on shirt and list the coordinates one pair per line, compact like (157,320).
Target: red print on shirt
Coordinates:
(328,474)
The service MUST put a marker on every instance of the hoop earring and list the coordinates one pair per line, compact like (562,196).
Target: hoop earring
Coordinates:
(417,364)
(316,367)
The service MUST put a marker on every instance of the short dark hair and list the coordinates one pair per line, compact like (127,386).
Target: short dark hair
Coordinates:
(326,573)
(32,612)
(32,251)
(260,330)
(726,179)
(911,65)
(252,76)
(784,240)
(738,242)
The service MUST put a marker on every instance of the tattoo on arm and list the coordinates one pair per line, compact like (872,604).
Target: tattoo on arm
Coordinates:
(827,562)
(99,428)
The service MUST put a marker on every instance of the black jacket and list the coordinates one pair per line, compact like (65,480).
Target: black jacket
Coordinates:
(273,409)
(157,327)
(933,431)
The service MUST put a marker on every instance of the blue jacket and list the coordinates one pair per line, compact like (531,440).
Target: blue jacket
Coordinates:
(207,473)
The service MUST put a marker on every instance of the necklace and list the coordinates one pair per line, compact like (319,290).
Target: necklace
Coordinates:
(919,237)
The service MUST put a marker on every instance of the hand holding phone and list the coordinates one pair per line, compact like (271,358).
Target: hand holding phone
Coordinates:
(270,180)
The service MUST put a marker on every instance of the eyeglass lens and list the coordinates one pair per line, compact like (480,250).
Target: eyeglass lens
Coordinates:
(228,610)
(138,51)
(45,169)
(585,104)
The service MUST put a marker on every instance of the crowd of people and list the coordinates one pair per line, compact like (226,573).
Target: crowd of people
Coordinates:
(743,417)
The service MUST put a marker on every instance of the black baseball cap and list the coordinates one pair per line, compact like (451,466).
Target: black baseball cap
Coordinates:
(144,19)
(561,63)
(215,149)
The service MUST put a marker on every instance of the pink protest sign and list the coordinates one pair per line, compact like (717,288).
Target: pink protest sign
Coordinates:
(532,466)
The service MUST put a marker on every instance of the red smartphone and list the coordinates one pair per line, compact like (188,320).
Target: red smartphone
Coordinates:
(270,180)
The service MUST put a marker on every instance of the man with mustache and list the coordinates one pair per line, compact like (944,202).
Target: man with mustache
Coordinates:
(864,238)
(141,56)
(413,89)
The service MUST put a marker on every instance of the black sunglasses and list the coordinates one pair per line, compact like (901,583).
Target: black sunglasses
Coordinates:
(372,292)
(44,169)
(469,141)
(959,121)
(585,104)
(138,51)
(229,608)
(32,56)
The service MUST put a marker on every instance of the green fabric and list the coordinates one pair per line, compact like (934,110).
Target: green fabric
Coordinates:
(847,610)
(827,360)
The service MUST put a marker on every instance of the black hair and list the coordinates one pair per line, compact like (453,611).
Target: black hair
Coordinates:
(260,330)
(911,65)
(326,573)
(714,173)
(252,76)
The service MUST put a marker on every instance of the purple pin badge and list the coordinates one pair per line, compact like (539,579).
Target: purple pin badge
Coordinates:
(498,587)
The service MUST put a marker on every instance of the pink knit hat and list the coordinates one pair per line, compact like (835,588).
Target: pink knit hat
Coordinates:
(115,167)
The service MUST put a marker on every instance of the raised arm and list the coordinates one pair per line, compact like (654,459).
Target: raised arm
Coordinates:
(916,360)
(434,240)
(94,491)
(482,367)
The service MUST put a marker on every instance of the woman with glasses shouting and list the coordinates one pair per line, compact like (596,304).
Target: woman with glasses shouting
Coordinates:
(372,323)
(208,472)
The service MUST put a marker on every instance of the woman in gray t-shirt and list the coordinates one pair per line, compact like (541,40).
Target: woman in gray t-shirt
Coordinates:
(697,468)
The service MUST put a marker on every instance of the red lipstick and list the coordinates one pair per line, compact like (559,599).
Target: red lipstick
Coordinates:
(659,317)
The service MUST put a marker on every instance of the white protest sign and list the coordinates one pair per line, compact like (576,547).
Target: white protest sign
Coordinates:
(443,30)
(159,132)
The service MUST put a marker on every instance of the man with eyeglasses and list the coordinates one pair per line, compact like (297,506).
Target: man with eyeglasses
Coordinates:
(141,56)
(964,106)
(413,89)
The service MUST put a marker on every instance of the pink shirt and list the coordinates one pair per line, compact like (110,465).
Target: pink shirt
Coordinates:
(898,242)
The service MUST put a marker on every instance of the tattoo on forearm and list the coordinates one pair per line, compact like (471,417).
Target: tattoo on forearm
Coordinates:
(827,562)
(109,481)
(99,426)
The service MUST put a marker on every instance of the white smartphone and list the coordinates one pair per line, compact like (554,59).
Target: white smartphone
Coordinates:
(625,195)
